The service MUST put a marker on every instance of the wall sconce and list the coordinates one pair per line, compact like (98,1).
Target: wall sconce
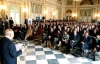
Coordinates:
(25,10)
(2,8)
(97,15)
(74,15)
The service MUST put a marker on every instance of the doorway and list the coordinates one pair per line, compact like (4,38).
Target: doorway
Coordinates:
(68,18)
(15,13)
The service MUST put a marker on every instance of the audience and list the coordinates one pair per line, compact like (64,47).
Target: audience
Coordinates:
(72,35)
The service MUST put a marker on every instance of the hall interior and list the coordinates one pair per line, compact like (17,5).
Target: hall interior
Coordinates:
(47,10)
(71,10)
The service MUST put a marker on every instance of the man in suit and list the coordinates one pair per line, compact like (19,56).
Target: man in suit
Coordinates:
(11,22)
(74,39)
(8,51)
(50,36)
(86,42)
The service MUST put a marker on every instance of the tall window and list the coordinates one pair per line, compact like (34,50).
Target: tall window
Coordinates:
(15,14)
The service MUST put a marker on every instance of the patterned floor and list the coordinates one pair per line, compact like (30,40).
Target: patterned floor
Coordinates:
(36,54)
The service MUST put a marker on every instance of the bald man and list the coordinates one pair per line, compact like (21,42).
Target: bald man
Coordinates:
(8,51)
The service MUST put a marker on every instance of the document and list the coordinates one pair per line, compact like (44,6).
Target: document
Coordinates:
(18,46)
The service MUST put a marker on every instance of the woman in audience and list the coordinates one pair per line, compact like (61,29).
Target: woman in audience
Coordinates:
(29,33)
(57,37)
(95,46)
(64,41)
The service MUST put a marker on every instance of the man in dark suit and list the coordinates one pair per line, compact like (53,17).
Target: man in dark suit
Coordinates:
(86,42)
(11,22)
(74,39)
(8,51)
(50,36)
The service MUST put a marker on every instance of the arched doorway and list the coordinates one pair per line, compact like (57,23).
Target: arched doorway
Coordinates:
(68,14)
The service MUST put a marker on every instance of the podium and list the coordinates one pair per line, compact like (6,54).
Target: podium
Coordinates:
(18,60)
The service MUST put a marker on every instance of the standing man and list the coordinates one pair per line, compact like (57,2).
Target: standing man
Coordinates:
(26,22)
(6,22)
(8,51)
(11,22)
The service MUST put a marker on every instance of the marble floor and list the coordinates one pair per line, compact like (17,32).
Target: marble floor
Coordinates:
(36,54)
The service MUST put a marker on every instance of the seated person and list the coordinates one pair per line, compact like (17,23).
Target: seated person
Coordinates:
(57,37)
(29,33)
(64,41)
(86,41)
(94,32)
(20,35)
(16,31)
(74,39)
(95,45)
(50,36)
(23,31)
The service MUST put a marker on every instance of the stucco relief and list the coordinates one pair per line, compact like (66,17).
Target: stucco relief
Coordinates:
(14,2)
(59,2)
(86,12)
(69,2)
(86,2)
(95,1)
(38,9)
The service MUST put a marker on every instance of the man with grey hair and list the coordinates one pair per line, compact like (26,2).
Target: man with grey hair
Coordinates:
(8,51)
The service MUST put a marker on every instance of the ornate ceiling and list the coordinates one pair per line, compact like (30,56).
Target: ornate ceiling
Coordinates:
(84,2)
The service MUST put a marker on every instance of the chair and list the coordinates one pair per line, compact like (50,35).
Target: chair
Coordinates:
(39,35)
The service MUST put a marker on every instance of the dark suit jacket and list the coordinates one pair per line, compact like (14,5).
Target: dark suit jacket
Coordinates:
(87,40)
(8,51)
(95,42)
(11,23)
(75,38)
